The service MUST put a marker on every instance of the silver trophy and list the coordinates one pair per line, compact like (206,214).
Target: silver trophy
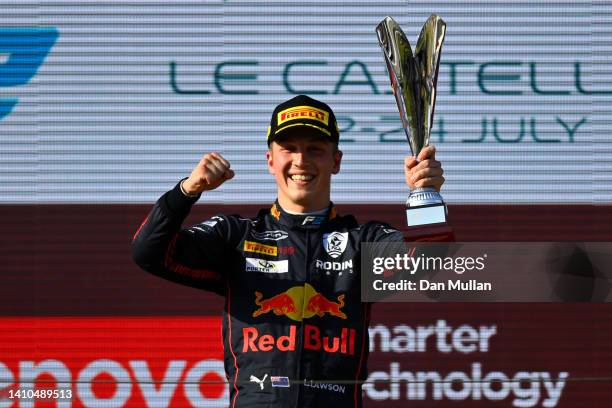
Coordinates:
(414,79)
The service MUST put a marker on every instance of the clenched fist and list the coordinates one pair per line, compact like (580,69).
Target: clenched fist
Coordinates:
(212,171)
(425,171)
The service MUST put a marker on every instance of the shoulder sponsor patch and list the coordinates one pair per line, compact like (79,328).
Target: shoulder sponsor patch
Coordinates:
(276,235)
(266,266)
(211,222)
(250,246)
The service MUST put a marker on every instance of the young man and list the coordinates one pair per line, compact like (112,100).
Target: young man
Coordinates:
(294,328)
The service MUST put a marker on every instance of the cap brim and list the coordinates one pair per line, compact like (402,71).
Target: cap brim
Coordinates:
(306,129)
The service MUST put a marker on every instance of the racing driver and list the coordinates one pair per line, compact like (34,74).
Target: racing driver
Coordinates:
(294,328)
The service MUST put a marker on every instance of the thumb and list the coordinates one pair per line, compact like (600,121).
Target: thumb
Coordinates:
(229,174)
(428,152)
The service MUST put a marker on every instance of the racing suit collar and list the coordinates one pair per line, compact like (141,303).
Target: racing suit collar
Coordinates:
(301,220)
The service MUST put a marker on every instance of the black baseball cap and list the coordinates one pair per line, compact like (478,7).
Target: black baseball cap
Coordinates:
(303,112)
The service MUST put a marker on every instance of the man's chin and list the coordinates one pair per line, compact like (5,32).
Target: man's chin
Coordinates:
(302,198)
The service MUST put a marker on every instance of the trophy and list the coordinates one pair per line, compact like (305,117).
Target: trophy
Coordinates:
(414,80)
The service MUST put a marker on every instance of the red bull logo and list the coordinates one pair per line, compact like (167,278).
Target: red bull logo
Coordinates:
(319,305)
(299,302)
(280,305)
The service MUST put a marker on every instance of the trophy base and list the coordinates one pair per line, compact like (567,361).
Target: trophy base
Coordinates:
(428,223)
(426,214)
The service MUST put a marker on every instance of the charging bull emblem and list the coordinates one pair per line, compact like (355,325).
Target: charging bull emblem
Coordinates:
(299,302)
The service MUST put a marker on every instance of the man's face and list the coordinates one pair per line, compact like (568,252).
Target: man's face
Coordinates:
(302,165)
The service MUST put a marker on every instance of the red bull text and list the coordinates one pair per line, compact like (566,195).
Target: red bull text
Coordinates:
(344,343)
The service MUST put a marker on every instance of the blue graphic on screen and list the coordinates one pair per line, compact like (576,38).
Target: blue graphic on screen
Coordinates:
(27,49)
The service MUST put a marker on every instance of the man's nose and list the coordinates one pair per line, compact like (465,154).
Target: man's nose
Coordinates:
(299,158)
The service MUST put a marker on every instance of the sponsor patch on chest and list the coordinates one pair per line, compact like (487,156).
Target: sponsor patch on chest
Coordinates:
(266,266)
(250,246)
(275,235)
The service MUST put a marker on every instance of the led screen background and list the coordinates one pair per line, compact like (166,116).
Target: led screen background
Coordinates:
(132,94)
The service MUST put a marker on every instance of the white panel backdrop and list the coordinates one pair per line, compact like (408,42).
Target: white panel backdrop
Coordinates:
(134,92)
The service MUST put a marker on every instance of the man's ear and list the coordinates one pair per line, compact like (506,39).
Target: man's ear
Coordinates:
(269,160)
(337,160)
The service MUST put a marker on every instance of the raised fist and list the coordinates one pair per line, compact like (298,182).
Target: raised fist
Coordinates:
(212,171)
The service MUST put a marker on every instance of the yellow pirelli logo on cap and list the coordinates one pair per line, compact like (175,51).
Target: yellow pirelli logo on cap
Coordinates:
(250,246)
(303,112)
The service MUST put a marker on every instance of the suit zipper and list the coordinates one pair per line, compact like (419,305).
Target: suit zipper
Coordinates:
(301,345)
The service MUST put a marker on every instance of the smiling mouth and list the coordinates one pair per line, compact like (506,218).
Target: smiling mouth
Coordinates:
(301,177)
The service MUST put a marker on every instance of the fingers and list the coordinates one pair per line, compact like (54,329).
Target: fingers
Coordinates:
(224,165)
(212,171)
(410,162)
(428,153)
(424,171)
(426,164)
(221,159)
(435,182)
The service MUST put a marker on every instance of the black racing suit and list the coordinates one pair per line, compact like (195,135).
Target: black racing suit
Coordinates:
(295,332)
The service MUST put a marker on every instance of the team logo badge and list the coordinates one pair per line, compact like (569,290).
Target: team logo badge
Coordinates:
(335,243)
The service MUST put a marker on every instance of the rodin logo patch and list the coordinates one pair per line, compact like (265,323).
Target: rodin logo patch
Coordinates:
(335,243)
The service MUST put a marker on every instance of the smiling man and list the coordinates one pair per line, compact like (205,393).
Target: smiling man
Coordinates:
(295,332)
